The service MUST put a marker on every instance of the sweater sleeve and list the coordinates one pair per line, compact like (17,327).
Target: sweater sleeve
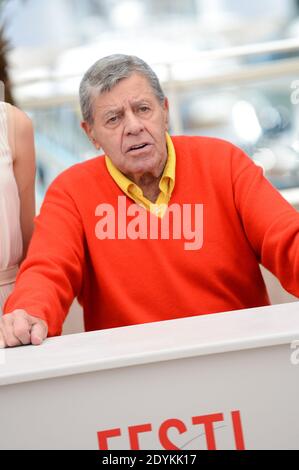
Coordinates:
(271,224)
(51,275)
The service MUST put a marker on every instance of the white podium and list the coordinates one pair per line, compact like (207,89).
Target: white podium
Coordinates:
(223,381)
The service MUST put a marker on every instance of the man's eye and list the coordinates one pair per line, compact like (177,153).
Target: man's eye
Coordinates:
(112,120)
(144,109)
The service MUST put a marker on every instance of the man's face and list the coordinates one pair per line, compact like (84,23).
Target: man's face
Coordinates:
(130,125)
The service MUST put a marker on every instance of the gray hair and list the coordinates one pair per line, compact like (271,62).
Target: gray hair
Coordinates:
(104,74)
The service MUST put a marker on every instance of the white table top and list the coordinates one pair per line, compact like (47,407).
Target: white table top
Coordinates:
(151,342)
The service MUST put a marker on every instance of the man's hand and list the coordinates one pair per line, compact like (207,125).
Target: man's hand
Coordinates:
(19,328)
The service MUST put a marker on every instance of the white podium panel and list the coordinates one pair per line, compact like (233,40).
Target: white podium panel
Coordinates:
(223,381)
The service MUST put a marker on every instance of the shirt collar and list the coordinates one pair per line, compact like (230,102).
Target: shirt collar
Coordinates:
(167,180)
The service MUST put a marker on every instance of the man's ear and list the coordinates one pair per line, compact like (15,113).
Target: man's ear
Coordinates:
(89,131)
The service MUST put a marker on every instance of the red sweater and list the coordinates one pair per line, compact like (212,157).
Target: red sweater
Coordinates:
(124,282)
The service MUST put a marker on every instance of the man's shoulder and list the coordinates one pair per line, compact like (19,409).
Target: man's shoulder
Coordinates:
(212,156)
(204,143)
(206,153)
(81,172)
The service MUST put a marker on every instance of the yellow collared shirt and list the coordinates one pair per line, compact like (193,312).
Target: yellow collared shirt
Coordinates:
(133,191)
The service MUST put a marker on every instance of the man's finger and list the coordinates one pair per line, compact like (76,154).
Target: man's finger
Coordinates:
(38,332)
(8,332)
(21,328)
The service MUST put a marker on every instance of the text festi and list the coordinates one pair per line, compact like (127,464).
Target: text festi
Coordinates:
(206,422)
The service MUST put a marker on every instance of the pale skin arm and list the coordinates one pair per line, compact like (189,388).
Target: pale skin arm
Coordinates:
(22,144)
(19,328)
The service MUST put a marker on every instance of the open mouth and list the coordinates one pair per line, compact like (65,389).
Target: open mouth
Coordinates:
(137,147)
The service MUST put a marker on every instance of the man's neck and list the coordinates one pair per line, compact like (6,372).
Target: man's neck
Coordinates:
(149,185)
(149,182)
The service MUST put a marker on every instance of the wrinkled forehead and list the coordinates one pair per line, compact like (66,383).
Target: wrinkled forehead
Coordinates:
(128,91)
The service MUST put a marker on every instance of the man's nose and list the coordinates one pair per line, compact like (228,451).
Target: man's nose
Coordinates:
(133,124)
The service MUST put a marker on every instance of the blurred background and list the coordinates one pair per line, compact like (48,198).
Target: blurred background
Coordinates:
(229,67)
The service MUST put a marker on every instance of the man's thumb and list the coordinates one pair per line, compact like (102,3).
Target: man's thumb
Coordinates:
(38,333)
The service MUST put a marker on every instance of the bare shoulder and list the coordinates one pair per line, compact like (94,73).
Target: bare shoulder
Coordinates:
(22,121)
(21,134)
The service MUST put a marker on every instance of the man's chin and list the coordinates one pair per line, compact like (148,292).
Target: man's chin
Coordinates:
(145,165)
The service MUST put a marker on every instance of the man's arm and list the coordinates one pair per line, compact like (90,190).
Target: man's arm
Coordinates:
(270,222)
(51,275)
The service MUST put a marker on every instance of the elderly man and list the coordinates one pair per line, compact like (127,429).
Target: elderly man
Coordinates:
(158,228)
